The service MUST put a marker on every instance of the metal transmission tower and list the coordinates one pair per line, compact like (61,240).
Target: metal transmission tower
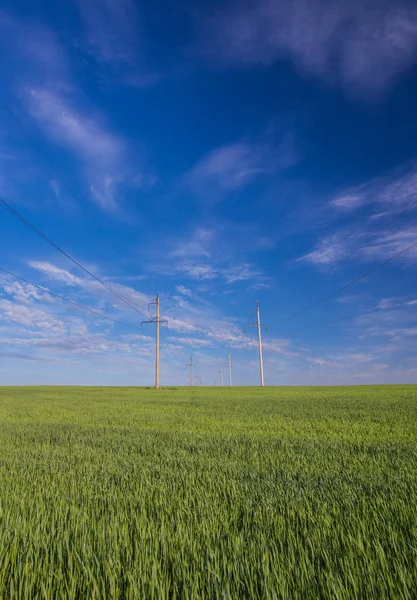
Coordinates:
(190,364)
(229,362)
(157,320)
(258,325)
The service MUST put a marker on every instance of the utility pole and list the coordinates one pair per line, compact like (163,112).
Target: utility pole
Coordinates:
(157,320)
(230,368)
(157,325)
(191,371)
(258,325)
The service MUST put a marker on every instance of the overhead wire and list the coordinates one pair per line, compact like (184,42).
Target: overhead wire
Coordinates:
(39,233)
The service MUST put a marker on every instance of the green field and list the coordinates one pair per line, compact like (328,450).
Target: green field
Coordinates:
(208,493)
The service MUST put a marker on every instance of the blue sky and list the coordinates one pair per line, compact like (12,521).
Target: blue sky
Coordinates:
(216,154)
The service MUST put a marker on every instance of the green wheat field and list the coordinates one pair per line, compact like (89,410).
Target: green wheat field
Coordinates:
(208,493)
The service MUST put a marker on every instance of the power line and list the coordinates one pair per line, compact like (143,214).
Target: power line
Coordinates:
(347,285)
(44,289)
(23,220)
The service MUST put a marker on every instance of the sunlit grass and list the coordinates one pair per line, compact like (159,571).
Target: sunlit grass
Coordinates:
(208,493)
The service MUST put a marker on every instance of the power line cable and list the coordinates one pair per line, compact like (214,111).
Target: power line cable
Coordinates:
(44,289)
(347,285)
(23,220)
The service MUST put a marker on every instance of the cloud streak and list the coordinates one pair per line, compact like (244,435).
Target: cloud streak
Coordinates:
(102,153)
(362,45)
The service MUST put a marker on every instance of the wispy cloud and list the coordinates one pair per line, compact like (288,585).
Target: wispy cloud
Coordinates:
(180,325)
(112,35)
(183,290)
(207,255)
(25,293)
(384,194)
(102,153)
(363,45)
(34,48)
(381,201)
(230,168)
(198,245)
(225,170)
(90,286)
(46,86)
(29,317)
(111,28)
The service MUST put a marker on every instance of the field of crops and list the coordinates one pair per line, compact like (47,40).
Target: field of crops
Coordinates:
(208,493)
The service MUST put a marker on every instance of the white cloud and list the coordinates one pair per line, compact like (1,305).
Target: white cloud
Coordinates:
(183,290)
(111,29)
(25,293)
(46,85)
(102,152)
(56,273)
(329,250)
(180,325)
(363,45)
(390,243)
(92,287)
(194,342)
(348,201)
(35,47)
(240,272)
(233,167)
(199,244)
(386,197)
(112,35)
(225,170)
(197,270)
(385,194)
(29,317)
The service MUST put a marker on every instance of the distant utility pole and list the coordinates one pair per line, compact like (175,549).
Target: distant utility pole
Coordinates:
(191,371)
(230,368)
(219,377)
(157,320)
(258,325)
